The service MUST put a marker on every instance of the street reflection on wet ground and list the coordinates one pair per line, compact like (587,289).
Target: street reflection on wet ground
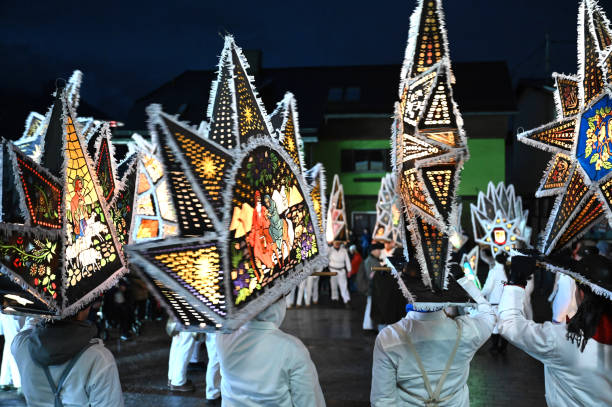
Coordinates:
(342,353)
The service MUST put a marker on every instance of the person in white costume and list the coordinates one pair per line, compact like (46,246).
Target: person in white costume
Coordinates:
(339,263)
(83,371)
(181,349)
(577,356)
(263,366)
(312,287)
(492,290)
(213,371)
(9,373)
(424,359)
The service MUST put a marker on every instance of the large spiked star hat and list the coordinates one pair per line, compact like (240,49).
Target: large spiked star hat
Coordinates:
(429,144)
(336,224)
(246,223)
(389,221)
(58,245)
(499,221)
(580,172)
(32,142)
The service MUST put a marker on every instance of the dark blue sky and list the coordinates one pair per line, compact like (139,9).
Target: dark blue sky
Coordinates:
(127,48)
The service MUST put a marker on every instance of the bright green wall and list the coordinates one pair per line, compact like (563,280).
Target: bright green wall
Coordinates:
(487,163)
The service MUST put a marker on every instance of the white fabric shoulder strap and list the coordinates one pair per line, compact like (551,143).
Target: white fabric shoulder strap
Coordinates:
(434,396)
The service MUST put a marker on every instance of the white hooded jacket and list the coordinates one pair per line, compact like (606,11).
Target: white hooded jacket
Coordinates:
(92,381)
(572,378)
(433,335)
(263,366)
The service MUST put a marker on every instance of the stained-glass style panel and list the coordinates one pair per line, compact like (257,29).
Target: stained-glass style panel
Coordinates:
(567,90)
(104,170)
(559,135)
(275,232)
(197,267)
(41,191)
(91,252)
(595,140)
(207,163)
(557,176)
(290,141)
(388,225)
(336,224)
(121,208)
(35,261)
(148,229)
(251,121)
(430,40)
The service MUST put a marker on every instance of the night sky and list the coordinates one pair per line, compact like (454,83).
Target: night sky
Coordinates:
(127,49)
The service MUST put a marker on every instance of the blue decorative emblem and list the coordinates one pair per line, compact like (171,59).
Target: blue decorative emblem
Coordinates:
(594,150)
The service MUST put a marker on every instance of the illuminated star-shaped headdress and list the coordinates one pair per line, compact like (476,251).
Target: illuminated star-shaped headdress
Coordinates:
(246,223)
(499,221)
(389,220)
(336,224)
(32,142)
(580,172)
(58,243)
(429,144)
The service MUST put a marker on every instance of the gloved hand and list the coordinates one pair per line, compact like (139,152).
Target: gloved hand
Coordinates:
(520,270)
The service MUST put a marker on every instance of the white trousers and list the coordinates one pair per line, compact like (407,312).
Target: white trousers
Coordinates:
(9,372)
(339,281)
(313,283)
(290,298)
(367,320)
(181,350)
(213,369)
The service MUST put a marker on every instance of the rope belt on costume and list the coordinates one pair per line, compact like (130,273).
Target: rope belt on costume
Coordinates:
(434,399)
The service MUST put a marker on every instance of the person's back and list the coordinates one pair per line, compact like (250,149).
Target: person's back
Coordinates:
(434,338)
(573,378)
(92,381)
(263,366)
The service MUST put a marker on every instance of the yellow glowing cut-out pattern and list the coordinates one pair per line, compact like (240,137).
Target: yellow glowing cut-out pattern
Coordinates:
(440,179)
(199,268)
(439,112)
(208,166)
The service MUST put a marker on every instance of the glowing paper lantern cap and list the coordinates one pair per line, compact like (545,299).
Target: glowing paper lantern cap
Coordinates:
(58,243)
(429,149)
(315,178)
(499,221)
(337,222)
(389,219)
(247,224)
(580,171)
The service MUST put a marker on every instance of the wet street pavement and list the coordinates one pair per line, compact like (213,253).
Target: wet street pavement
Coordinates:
(342,353)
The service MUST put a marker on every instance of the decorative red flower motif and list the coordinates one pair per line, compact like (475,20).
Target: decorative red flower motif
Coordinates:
(53,285)
(19,240)
(36,281)
(54,295)
(17,262)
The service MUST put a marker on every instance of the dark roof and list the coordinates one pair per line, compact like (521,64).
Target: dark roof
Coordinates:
(480,87)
